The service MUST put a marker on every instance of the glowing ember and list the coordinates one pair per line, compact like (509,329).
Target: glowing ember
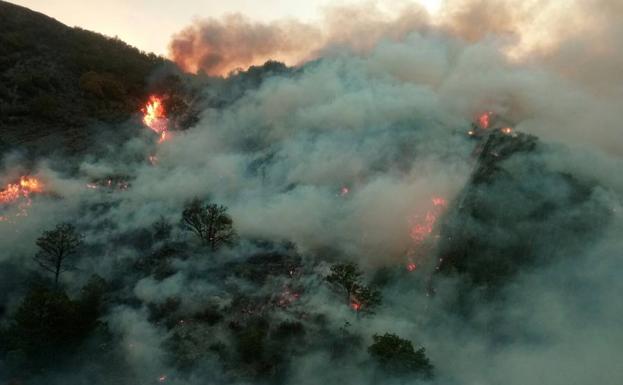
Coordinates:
(437,202)
(355,305)
(484,120)
(344,191)
(287,297)
(164,136)
(420,230)
(110,184)
(507,130)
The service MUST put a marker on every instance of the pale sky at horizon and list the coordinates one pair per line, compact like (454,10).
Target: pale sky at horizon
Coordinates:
(149,24)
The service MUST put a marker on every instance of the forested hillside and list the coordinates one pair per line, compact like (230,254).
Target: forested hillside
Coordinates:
(56,80)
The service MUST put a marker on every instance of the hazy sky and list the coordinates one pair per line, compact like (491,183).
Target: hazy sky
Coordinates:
(148,24)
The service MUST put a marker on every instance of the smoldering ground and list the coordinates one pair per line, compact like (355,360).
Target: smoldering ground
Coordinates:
(388,123)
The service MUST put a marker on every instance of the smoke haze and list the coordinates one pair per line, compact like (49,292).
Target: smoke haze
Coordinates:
(339,156)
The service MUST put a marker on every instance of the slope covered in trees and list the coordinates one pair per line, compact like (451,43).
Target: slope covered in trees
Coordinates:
(502,220)
(56,80)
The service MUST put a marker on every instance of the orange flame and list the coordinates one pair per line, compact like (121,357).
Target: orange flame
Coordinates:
(154,115)
(23,189)
(10,193)
(31,184)
(20,192)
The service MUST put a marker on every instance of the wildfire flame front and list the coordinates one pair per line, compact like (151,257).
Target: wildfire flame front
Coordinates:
(154,116)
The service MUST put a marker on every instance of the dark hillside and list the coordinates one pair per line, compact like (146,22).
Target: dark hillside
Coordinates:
(55,80)
(509,216)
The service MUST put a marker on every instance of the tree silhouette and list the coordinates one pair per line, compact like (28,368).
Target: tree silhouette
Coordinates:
(162,229)
(55,246)
(365,299)
(345,276)
(397,356)
(210,222)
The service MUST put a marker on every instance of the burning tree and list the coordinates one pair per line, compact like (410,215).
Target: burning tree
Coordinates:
(361,298)
(55,246)
(210,222)
(154,115)
(365,299)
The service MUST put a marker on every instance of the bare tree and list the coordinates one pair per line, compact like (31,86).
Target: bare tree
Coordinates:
(210,222)
(55,246)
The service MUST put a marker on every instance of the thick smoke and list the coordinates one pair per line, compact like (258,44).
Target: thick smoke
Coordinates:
(339,157)
(578,41)
(218,47)
(535,36)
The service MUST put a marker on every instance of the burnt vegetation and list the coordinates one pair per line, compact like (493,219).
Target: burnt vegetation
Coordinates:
(264,328)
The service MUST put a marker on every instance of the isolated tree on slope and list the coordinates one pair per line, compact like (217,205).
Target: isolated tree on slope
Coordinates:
(365,299)
(396,356)
(210,222)
(55,247)
(347,278)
